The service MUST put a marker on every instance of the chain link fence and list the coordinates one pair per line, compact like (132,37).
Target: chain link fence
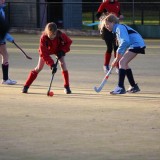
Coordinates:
(36,15)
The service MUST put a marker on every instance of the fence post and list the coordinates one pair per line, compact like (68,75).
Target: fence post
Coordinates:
(133,16)
(159,17)
(142,14)
(93,18)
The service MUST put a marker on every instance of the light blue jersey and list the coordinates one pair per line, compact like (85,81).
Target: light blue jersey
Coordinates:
(127,38)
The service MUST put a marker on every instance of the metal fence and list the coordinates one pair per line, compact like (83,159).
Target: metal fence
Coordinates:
(36,15)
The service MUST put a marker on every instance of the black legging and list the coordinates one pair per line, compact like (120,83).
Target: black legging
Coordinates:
(110,40)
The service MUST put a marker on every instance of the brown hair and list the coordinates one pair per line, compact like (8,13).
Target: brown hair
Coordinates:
(50,27)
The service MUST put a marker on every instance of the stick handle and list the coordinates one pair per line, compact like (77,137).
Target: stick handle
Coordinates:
(52,79)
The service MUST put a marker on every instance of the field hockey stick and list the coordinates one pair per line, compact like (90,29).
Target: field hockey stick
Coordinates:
(21,50)
(48,93)
(91,24)
(98,89)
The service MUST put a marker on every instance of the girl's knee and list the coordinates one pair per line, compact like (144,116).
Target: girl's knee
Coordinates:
(63,67)
(122,63)
(38,69)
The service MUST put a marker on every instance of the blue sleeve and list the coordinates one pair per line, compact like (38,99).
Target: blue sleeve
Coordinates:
(9,37)
(123,39)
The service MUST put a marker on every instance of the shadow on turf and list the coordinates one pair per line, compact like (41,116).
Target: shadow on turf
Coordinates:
(91,94)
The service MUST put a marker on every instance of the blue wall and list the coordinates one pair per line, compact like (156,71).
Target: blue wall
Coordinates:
(72,14)
(148,31)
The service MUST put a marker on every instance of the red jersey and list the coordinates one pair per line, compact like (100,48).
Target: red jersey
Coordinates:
(110,7)
(48,46)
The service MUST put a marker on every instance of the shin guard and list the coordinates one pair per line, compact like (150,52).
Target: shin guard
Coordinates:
(107,58)
(130,77)
(122,74)
(31,77)
(5,71)
(65,75)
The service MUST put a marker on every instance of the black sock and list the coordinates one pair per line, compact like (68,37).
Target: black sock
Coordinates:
(122,73)
(5,71)
(130,77)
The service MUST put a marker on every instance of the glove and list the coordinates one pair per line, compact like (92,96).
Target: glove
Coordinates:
(60,54)
(9,38)
(54,68)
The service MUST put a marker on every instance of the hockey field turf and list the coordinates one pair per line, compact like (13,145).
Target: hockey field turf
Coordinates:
(84,125)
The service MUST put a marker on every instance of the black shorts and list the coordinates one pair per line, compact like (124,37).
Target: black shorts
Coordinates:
(138,50)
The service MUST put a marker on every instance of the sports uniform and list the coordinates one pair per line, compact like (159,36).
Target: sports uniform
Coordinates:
(109,6)
(128,38)
(130,43)
(3,51)
(58,46)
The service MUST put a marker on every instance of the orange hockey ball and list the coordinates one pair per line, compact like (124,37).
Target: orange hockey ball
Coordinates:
(51,94)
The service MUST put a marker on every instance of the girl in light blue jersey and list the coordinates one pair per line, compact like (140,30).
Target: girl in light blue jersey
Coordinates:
(130,44)
(3,51)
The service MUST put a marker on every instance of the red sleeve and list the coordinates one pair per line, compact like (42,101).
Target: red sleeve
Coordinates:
(102,7)
(44,52)
(65,43)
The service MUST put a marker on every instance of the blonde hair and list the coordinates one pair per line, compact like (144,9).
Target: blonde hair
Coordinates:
(111,17)
(50,27)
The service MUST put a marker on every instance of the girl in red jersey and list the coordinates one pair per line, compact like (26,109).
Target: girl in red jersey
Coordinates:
(52,41)
(106,7)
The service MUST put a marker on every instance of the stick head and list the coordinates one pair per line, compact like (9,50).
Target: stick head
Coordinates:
(28,57)
(97,89)
(50,93)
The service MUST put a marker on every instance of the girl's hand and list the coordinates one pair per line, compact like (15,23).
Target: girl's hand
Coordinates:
(115,62)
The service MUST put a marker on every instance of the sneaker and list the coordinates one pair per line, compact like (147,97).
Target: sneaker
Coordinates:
(118,90)
(25,89)
(106,68)
(133,89)
(67,90)
(9,82)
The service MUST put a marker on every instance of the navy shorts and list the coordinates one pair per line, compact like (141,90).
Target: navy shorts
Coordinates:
(138,50)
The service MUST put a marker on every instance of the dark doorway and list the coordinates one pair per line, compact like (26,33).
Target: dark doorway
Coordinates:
(55,12)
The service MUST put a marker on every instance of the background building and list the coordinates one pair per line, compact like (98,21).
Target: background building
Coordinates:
(36,13)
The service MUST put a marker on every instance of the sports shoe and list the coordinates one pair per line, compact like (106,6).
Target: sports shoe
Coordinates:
(133,89)
(25,89)
(118,90)
(106,68)
(9,82)
(67,90)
